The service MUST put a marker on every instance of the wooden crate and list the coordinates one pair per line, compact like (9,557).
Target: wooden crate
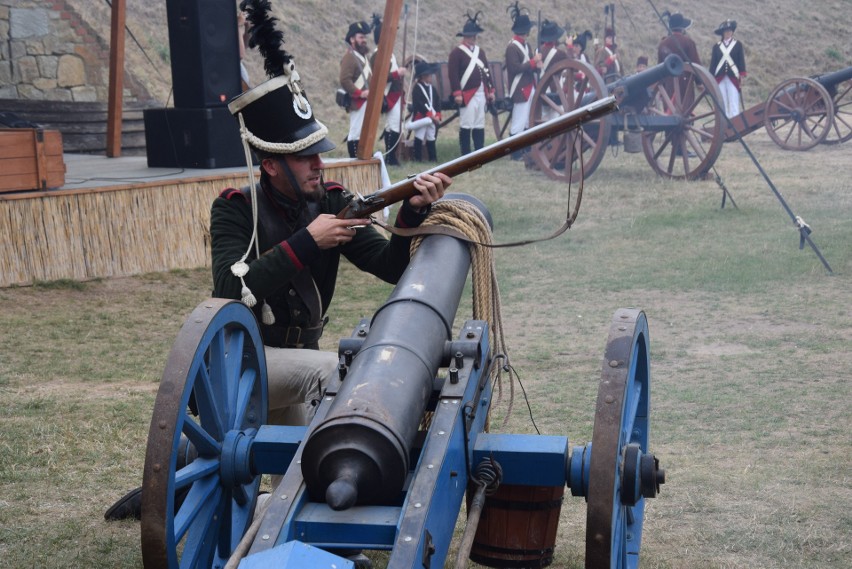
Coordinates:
(30,159)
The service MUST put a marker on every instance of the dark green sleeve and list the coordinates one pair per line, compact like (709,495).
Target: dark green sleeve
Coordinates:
(230,233)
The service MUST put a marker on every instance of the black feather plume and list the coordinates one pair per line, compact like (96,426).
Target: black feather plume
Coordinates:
(473,18)
(515,10)
(263,35)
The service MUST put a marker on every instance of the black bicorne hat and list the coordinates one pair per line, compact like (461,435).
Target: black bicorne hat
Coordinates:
(276,116)
(550,31)
(583,38)
(471,26)
(422,68)
(726,25)
(357,28)
(678,22)
(521,23)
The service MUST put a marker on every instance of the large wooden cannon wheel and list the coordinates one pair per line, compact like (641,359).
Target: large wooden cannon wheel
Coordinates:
(577,153)
(799,114)
(690,146)
(841,128)
(213,396)
(622,473)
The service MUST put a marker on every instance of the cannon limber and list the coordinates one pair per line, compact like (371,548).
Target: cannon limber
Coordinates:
(398,438)
(802,112)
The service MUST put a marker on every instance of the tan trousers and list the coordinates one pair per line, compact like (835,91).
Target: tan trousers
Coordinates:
(295,382)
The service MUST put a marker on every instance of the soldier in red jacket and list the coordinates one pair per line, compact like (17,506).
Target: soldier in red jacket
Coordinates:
(470,81)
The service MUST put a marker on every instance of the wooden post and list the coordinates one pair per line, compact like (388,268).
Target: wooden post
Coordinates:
(390,21)
(116,78)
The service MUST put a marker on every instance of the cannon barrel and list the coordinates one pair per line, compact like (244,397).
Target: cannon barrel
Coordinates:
(631,91)
(831,80)
(359,453)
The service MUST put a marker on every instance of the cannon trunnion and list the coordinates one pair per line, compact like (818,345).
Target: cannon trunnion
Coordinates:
(398,438)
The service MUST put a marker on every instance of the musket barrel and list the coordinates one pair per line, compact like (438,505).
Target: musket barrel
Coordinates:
(559,125)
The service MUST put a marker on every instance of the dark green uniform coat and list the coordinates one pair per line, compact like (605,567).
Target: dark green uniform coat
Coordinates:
(270,277)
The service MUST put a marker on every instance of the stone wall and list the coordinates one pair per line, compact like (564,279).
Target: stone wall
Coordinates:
(47,52)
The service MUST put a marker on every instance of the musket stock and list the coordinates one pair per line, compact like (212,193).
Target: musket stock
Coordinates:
(362,206)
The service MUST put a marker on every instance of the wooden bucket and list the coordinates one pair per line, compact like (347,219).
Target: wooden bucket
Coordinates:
(518,526)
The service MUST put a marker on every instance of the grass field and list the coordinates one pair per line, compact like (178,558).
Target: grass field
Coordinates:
(750,344)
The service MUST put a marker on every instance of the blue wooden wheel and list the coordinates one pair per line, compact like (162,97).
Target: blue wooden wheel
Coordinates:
(213,396)
(622,473)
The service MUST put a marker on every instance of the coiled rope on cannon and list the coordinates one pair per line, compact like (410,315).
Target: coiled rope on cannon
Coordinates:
(466,219)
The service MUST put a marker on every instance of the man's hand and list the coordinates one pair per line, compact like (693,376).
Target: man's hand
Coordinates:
(458,99)
(431,188)
(328,231)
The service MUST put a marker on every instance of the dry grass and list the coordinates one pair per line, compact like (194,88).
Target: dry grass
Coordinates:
(749,338)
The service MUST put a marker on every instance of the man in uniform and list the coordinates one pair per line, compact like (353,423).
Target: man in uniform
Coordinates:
(393,97)
(521,67)
(727,64)
(470,82)
(282,259)
(549,36)
(606,58)
(355,74)
(680,44)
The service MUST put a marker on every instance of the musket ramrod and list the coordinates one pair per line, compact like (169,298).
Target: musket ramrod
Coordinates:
(363,206)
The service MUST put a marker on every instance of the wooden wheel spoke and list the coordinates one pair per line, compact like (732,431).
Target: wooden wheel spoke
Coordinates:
(218,361)
(568,81)
(799,114)
(196,507)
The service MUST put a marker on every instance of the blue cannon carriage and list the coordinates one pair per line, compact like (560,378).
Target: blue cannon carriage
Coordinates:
(369,473)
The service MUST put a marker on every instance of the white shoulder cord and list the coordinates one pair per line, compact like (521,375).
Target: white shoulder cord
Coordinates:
(241,268)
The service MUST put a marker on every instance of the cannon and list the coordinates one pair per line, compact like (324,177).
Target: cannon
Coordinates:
(802,112)
(399,437)
(650,102)
(672,105)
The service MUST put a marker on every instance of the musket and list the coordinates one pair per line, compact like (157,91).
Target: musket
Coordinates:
(362,206)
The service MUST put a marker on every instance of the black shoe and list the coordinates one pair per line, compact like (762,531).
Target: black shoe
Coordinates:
(361,561)
(128,506)
(356,556)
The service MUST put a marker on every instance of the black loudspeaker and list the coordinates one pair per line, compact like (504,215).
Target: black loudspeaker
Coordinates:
(193,138)
(205,52)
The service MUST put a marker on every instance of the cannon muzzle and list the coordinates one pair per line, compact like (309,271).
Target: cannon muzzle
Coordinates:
(632,92)
(831,80)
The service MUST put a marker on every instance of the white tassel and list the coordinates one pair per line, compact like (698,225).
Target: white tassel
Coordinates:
(266,315)
(247,297)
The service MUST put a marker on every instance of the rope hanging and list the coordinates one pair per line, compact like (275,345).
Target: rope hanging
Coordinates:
(468,220)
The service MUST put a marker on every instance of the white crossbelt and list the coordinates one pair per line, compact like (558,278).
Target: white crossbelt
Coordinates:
(365,71)
(726,58)
(474,63)
(517,78)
